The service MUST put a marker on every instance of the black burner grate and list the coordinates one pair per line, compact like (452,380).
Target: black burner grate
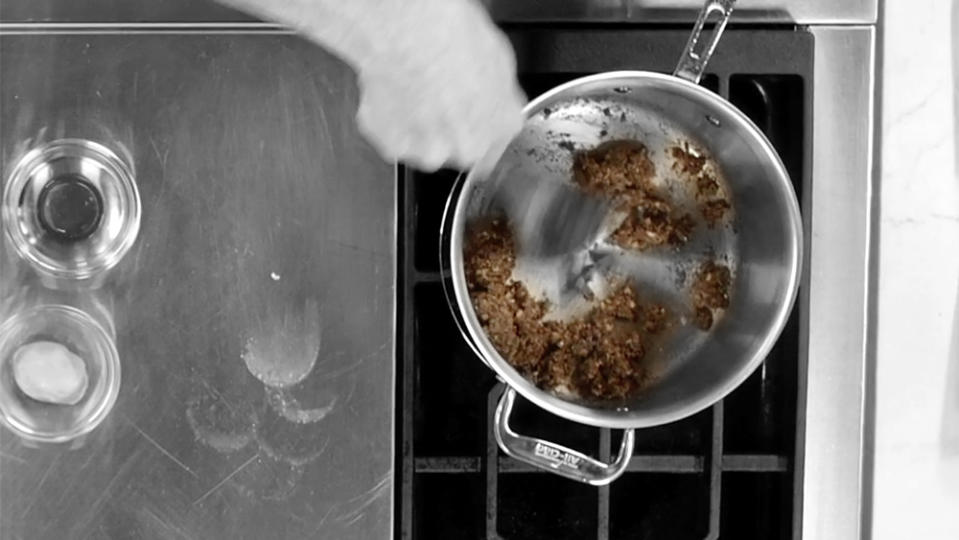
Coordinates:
(730,471)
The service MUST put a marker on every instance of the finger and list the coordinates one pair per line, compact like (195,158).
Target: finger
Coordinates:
(418,145)
(373,137)
(382,129)
(437,153)
(489,134)
(427,156)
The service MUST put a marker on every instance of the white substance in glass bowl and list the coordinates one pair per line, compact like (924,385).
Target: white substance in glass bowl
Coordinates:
(49,372)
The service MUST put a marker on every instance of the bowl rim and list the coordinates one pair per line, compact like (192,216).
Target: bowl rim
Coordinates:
(110,376)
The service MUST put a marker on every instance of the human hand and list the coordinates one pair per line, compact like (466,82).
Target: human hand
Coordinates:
(437,78)
(444,92)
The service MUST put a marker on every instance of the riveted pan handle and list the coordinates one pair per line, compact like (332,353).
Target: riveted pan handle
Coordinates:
(553,457)
(696,54)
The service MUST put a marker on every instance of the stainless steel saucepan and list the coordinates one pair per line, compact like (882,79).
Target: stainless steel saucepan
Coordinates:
(761,244)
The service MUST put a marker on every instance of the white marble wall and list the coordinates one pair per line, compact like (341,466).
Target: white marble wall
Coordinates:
(917,423)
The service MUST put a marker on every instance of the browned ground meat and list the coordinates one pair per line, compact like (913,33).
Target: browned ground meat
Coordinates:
(644,227)
(714,211)
(494,241)
(703,317)
(657,319)
(710,291)
(618,169)
(682,229)
(687,161)
(691,164)
(706,185)
(598,356)
(623,170)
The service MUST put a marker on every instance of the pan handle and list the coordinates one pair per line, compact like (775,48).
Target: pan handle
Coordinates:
(692,64)
(553,457)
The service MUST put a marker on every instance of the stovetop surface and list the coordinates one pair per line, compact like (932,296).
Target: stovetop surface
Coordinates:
(730,470)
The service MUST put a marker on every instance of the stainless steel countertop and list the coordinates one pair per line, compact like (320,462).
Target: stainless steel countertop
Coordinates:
(265,218)
(181,11)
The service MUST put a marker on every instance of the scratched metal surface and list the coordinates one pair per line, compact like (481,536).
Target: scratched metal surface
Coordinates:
(265,259)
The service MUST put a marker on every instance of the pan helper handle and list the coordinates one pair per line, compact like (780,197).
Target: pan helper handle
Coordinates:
(553,457)
(437,78)
(696,54)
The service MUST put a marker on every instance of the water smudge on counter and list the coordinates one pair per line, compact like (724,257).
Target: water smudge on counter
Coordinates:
(219,426)
(282,348)
(286,405)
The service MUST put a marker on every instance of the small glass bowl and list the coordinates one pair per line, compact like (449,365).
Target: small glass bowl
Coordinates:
(90,190)
(83,336)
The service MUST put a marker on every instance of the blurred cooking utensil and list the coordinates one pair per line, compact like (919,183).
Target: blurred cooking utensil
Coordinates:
(550,218)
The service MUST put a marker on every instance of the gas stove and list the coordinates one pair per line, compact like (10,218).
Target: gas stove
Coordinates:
(782,456)
(730,471)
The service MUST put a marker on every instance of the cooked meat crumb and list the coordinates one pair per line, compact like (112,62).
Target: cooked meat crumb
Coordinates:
(692,164)
(714,211)
(706,185)
(688,161)
(703,317)
(642,229)
(619,169)
(597,356)
(657,319)
(682,229)
(710,291)
(623,170)
(495,242)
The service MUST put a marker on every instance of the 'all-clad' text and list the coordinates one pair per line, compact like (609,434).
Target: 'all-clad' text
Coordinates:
(558,456)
